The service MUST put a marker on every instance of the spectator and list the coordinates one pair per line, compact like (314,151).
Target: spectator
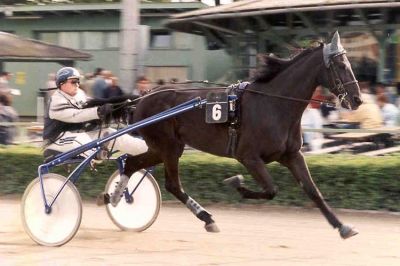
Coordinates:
(329,112)
(142,86)
(50,84)
(87,84)
(392,93)
(317,95)
(389,111)
(312,119)
(5,77)
(107,76)
(381,89)
(7,114)
(114,89)
(368,114)
(100,84)
(5,88)
(51,81)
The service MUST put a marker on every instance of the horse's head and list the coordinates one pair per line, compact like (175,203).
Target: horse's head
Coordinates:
(340,76)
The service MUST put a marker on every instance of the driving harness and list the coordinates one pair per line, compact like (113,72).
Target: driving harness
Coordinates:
(234,115)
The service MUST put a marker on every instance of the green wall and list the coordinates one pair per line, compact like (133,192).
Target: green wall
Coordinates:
(202,64)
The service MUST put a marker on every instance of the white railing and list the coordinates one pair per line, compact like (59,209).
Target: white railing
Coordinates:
(31,132)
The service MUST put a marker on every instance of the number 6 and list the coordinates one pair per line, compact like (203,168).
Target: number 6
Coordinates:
(216,112)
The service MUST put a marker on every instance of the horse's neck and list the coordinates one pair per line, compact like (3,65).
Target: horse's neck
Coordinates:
(298,80)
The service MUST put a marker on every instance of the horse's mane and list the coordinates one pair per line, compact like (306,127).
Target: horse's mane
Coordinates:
(272,65)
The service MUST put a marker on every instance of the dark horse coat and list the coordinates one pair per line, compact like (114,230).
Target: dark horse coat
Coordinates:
(271,110)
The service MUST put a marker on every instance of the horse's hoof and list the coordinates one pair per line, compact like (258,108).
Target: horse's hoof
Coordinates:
(235,181)
(212,228)
(347,231)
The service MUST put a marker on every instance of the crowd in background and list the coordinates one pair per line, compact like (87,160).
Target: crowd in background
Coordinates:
(7,112)
(380,109)
(104,84)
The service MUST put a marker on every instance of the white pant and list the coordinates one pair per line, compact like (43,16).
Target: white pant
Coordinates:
(312,118)
(124,143)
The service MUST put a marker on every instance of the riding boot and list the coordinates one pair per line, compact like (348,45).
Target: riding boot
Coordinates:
(116,196)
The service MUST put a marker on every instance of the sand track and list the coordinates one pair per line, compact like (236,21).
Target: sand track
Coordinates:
(249,236)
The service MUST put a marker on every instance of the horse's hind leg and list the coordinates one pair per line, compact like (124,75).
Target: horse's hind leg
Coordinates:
(144,160)
(257,170)
(299,169)
(174,186)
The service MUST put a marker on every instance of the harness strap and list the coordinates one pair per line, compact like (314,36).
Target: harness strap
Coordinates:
(232,141)
(238,90)
(328,103)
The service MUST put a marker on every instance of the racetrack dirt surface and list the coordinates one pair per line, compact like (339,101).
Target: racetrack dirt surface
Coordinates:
(250,235)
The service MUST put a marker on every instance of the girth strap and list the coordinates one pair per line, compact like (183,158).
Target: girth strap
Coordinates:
(234,116)
(232,141)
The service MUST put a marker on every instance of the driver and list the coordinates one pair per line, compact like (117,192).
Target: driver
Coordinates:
(69,125)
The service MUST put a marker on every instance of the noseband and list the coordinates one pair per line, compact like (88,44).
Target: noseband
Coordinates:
(339,86)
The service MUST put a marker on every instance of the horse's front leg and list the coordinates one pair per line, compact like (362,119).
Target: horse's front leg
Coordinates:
(256,168)
(298,167)
(173,185)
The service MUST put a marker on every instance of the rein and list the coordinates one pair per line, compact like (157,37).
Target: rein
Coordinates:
(328,103)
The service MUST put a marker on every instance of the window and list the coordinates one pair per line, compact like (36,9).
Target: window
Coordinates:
(88,40)
(156,73)
(183,40)
(92,40)
(160,39)
(69,39)
(49,37)
(112,39)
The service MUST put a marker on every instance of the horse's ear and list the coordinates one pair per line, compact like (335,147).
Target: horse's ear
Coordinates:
(336,46)
(333,48)
(335,38)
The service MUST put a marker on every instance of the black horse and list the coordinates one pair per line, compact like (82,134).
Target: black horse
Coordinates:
(271,108)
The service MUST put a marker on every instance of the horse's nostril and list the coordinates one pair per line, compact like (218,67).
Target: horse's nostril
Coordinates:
(357,100)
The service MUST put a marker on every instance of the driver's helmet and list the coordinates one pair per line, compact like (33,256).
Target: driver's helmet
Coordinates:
(65,74)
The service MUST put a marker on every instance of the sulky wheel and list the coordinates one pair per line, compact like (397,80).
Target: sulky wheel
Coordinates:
(136,213)
(62,222)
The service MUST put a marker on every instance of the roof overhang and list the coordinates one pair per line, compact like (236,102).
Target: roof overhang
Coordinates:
(15,48)
(284,20)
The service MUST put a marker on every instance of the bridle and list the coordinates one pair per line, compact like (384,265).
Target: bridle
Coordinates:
(339,86)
